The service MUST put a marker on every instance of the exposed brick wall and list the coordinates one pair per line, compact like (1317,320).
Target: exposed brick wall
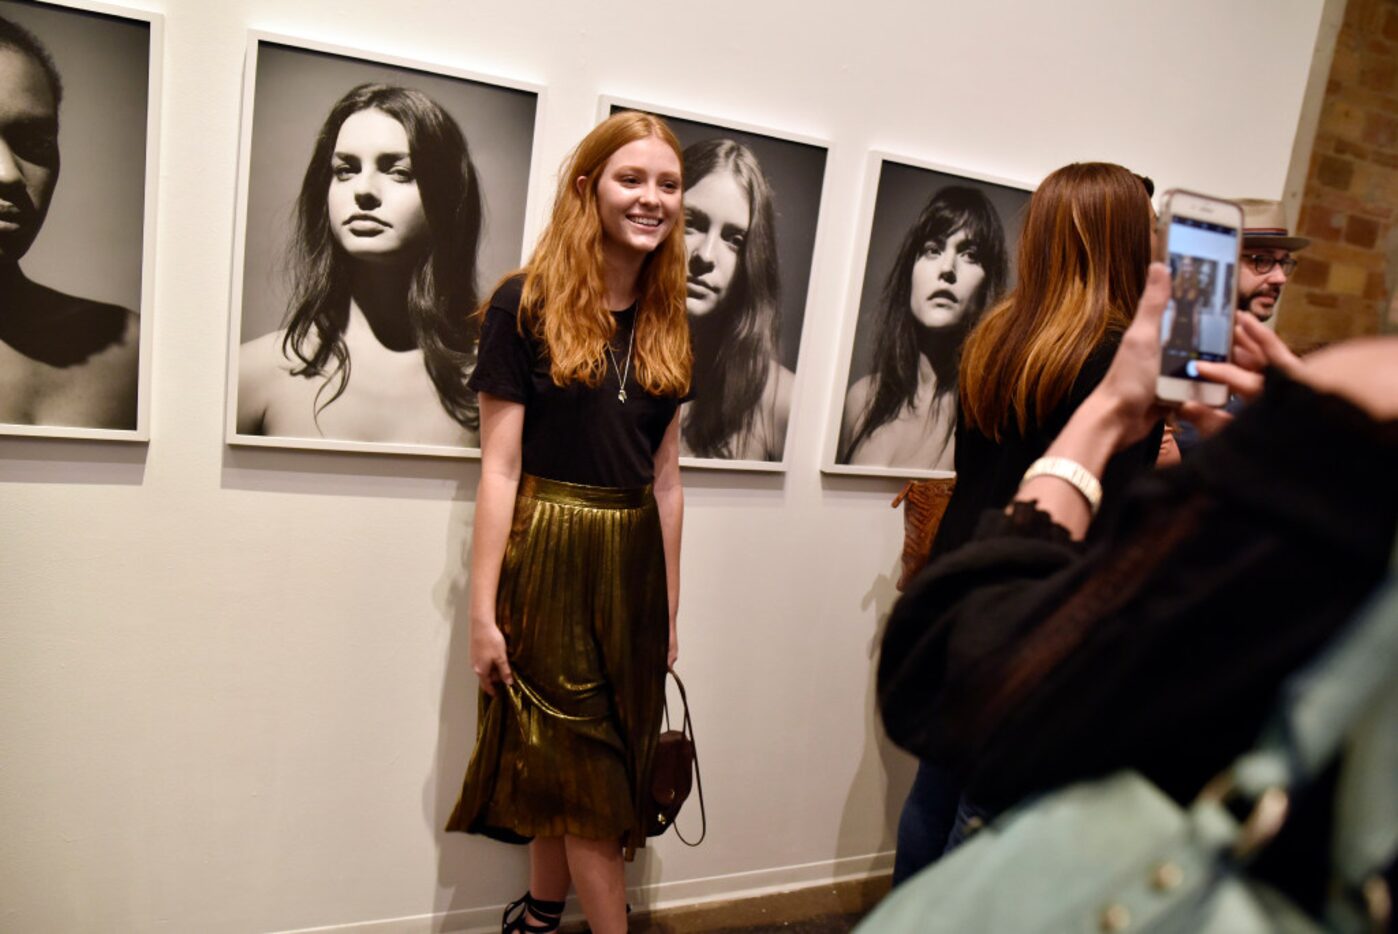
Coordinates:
(1346,283)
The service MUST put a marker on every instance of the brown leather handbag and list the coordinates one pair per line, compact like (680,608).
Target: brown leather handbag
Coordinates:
(670,779)
(924,504)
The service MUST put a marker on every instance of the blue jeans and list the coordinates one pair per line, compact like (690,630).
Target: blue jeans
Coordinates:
(969,818)
(927,820)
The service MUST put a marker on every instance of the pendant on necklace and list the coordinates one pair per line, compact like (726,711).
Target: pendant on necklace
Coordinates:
(622,395)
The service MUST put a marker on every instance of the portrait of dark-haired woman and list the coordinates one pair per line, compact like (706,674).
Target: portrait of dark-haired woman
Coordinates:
(952,264)
(742,392)
(378,340)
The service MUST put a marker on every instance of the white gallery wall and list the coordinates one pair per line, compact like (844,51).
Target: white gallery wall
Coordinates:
(234,685)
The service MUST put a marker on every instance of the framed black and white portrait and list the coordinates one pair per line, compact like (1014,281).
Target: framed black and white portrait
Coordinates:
(940,250)
(79,137)
(378,198)
(752,199)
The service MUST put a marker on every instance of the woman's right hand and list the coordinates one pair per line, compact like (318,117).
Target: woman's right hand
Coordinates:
(488,658)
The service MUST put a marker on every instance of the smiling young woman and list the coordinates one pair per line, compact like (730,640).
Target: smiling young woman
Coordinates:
(584,360)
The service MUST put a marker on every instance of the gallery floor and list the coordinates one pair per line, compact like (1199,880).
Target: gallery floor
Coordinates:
(828,909)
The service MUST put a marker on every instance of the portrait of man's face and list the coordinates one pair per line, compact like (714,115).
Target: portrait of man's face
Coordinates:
(716,220)
(1258,292)
(947,274)
(28,151)
(74,259)
(374,205)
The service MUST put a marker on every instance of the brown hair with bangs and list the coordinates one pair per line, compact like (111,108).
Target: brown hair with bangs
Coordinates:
(564,297)
(1083,255)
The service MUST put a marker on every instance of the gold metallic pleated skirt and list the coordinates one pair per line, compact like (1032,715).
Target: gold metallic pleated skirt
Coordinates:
(582,604)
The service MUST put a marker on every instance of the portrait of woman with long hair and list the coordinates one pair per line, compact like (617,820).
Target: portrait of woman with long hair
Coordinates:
(951,265)
(584,361)
(733,297)
(378,340)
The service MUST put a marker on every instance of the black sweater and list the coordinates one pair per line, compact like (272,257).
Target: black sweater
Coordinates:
(988,471)
(1025,661)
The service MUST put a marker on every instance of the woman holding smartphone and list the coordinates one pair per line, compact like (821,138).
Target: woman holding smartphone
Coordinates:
(1083,255)
(1026,367)
(1166,645)
(384,262)
(584,360)
(734,303)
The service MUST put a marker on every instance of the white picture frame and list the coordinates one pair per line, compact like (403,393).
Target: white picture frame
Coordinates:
(111,62)
(897,190)
(506,193)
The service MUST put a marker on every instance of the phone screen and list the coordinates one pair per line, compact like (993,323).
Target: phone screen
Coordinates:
(1198,320)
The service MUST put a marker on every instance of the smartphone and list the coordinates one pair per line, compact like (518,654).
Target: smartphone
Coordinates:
(1199,237)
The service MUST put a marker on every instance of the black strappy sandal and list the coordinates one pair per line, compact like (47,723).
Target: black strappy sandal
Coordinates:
(548,915)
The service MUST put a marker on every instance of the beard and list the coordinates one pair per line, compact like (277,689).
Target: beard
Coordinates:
(1261,313)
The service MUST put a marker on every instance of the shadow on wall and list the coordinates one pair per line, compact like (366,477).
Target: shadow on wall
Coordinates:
(466,864)
(343,473)
(65,460)
(464,867)
(885,772)
(473,872)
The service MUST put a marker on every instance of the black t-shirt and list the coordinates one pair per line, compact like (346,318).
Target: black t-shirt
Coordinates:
(574,434)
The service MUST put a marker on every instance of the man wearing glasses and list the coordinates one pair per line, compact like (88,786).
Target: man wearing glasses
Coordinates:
(1267,261)
(1266,265)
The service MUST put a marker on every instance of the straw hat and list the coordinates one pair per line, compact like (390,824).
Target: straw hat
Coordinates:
(1264,224)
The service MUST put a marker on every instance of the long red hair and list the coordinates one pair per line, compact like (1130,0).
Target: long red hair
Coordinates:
(1083,255)
(564,296)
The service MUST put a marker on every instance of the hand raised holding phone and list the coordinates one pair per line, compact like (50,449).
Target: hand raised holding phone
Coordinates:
(1199,239)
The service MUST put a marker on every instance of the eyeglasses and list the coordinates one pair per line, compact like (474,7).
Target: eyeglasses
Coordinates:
(1263,263)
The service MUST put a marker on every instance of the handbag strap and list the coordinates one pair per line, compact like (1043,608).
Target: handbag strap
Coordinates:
(687,728)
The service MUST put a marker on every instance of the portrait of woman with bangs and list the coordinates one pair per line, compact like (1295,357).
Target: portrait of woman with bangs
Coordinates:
(951,266)
(928,280)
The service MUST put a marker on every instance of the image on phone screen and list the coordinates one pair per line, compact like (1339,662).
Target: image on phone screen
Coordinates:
(1199,318)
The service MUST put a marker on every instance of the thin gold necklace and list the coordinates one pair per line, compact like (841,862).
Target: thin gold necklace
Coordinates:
(620,373)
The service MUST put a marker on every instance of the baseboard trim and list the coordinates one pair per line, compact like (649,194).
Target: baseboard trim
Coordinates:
(757,883)
(662,896)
